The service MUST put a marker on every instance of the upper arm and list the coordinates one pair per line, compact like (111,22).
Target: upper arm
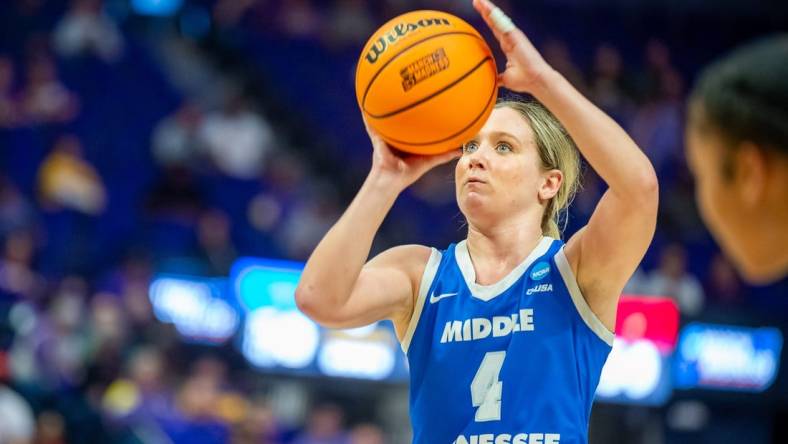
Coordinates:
(606,252)
(385,289)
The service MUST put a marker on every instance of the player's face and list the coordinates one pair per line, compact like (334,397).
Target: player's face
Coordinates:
(500,170)
(719,201)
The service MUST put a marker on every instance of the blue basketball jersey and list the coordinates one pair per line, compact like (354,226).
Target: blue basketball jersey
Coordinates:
(516,362)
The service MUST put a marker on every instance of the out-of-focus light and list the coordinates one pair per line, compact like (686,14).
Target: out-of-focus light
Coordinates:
(655,319)
(280,338)
(633,370)
(355,358)
(23,318)
(727,357)
(637,369)
(265,283)
(161,8)
(195,306)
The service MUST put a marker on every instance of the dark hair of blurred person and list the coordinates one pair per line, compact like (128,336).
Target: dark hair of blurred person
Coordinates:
(737,149)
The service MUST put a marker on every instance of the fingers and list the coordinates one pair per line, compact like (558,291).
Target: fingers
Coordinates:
(501,21)
(484,9)
(495,18)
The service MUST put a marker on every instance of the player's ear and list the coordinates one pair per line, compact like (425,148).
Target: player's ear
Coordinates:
(550,184)
(750,171)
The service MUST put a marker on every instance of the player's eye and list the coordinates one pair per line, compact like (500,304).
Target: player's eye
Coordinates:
(503,147)
(470,147)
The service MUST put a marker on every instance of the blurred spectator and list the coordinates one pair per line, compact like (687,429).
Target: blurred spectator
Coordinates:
(366,433)
(16,211)
(65,346)
(658,62)
(176,139)
(197,417)
(299,18)
(722,283)
(324,426)
(216,248)
(657,125)
(66,179)
(606,85)
(109,327)
(86,30)
(9,114)
(50,428)
(557,54)
(260,426)
(349,23)
(285,179)
(141,395)
(237,139)
(44,99)
(176,195)
(18,278)
(309,221)
(16,418)
(672,279)
(129,282)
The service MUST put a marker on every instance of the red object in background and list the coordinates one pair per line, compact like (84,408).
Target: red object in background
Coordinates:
(4,373)
(648,317)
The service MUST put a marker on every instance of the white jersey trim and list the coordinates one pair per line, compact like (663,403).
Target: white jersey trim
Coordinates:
(426,282)
(588,315)
(488,292)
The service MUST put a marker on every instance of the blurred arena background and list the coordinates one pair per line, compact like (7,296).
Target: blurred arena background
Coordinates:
(166,166)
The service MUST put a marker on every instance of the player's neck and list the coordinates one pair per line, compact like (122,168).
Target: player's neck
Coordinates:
(497,251)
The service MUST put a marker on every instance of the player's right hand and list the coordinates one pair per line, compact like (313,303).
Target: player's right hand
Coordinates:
(402,169)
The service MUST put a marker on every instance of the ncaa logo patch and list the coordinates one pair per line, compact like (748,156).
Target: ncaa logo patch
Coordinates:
(540,271)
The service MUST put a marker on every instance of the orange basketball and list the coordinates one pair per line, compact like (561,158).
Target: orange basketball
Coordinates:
(426,81)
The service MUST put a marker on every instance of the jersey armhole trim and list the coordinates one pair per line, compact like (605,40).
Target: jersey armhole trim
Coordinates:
(589,317)
(426,282)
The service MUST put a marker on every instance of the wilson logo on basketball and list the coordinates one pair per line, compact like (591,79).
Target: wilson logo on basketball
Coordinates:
(400,30)
(424,68)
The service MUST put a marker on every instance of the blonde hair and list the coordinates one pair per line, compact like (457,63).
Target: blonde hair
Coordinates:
(557,151)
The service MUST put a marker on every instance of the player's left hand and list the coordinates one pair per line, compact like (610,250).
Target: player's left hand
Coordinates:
(525,67)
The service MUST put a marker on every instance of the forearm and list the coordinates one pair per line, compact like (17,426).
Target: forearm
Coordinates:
(604,144)
(334,266)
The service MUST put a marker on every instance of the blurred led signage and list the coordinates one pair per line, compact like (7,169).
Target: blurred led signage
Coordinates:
(198,307)
(727,357)
(368,352)
(278,337)
(638,368)
(160,8)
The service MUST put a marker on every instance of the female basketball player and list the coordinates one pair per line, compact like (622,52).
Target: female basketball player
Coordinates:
(506,332)
(737,149)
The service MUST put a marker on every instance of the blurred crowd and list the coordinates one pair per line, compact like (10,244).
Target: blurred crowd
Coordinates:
(115,166)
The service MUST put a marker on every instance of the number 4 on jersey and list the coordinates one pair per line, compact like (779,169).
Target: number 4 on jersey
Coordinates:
(486,388)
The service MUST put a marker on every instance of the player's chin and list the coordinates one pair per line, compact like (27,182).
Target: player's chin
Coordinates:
(471,201)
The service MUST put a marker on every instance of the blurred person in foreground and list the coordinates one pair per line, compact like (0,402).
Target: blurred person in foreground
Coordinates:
(737,149)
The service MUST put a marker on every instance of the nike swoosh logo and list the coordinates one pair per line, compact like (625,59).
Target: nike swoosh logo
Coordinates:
(434,299)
